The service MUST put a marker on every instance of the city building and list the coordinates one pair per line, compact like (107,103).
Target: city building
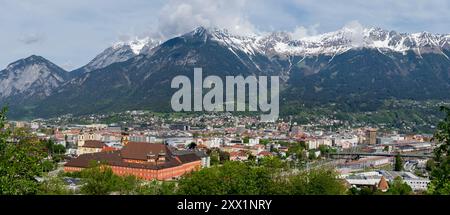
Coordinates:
(416,183)
(371,136)
(379,178)
(91,146)
(238,156)
(82,137)
(143,160)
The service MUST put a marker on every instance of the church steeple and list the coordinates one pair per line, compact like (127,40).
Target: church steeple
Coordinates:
(383,185)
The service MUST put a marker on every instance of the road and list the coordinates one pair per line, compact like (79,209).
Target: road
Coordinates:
(409,166)
(364,154)
(55,172)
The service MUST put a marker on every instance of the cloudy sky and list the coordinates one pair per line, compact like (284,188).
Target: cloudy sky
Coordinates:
(72,32)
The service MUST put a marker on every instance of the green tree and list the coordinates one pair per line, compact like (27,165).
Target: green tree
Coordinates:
(232,178)
(296,149)
(317,182)
(224,156)
(215,157)
(127,185)
(430,165)
(302,144)
(54,148)
(264,141)
(365,191)
(192,145)
(398,166)
(56,151)
(440,173)
(20,162)
(270,177)
(4,132)
(48,165)
(99,180)
(398,187)
(250,157)
(324,149)
(246,139)
(53,186)
(312,155)
(272,163)
(158,188)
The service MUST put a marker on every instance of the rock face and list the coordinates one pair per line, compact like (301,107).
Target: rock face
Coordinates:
(351,67)
(30,79)
(119,52)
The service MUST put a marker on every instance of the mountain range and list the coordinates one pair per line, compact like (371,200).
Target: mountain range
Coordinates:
(354,68)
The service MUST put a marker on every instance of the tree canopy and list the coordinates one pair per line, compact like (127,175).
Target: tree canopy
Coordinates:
(268,178)
(21,160)
(440,170)
(399,187)
(398,165)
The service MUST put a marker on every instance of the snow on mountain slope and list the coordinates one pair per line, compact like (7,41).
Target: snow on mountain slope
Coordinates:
(119,52)
(331,43)
(36,72)
(135,45)
(281,43)
(247,44)
(345,39)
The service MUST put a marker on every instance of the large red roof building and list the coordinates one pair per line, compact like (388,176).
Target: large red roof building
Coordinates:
(141,159)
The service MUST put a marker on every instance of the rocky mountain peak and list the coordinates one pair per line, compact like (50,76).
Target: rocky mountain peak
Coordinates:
(31,76)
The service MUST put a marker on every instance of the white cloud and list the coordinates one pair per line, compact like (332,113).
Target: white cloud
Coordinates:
(355,32)
(399,15)
(32,38)
(302,32)
(180,16)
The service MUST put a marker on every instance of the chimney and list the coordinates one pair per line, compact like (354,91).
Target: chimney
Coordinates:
(151,158)
(162,156)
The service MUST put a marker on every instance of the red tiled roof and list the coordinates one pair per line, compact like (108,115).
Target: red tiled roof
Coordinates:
(115,158)
(238,154)
(264,153)
(383,185)
(140,150)
(237,146)
(93,144)
(108,148)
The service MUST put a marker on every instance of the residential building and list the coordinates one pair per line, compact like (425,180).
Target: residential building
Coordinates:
(91,146)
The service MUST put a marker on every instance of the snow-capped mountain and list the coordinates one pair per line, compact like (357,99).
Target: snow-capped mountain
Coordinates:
(147,49)
(247,44)
(345,39)
(282,44)
(349,66)
(30,77)
(119,52)
(332,43)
